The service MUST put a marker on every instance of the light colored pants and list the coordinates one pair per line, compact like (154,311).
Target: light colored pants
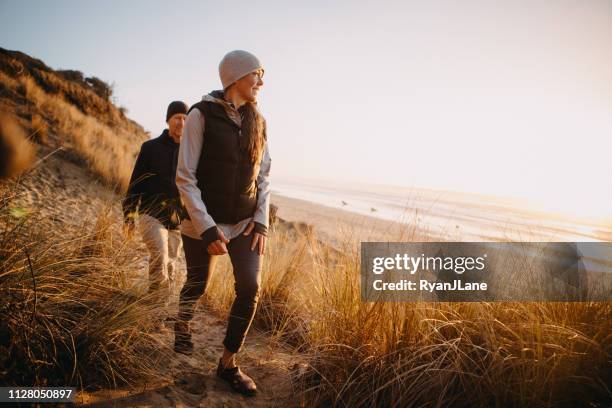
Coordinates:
(164,248)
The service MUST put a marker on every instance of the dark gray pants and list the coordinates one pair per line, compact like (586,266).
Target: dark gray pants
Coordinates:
(247,278)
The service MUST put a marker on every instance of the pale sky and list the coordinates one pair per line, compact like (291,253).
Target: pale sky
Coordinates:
(511,98)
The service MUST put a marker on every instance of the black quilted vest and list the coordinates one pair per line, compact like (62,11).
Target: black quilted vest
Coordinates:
(226,176)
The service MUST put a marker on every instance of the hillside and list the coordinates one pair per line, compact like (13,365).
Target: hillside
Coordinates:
(64,109)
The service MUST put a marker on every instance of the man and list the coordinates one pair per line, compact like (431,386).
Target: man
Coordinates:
(154,200)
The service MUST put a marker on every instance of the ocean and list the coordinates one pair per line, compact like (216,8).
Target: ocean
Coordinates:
(451,215)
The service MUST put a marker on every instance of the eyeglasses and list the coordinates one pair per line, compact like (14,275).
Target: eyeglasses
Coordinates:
(259,73)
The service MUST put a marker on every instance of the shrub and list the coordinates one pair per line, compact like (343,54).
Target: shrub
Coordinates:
(101,88)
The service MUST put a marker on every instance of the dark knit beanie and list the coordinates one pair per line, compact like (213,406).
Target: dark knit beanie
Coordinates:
(174,108)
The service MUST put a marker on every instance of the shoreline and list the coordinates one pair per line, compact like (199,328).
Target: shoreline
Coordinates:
(338,225)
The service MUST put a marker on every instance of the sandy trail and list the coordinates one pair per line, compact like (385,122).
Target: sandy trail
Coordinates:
(194,382)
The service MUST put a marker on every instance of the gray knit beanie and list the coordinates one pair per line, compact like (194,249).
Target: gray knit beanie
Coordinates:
(235,65)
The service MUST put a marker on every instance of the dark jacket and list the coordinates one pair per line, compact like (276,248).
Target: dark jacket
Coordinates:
(152,188)
(226,176)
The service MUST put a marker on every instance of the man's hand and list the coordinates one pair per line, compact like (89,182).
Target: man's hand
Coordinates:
(218,247)
(259,240)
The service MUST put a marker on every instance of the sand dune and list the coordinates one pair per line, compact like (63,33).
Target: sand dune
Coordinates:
(61,194)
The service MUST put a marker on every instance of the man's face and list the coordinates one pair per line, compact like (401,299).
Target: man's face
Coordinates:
(175,126)
(248,86)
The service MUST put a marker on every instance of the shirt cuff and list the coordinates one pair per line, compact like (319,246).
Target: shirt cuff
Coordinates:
(210,235)
(260,229)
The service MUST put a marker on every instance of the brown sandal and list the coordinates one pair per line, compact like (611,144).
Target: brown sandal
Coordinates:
(239,381)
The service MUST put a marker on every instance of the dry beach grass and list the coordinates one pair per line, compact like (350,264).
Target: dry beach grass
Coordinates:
(70,313)
(426,354)
(72,115)
(74,317)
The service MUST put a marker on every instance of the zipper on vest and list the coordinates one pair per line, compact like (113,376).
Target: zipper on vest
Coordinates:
(237,177)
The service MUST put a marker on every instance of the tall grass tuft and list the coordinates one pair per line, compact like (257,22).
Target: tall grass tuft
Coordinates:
(71,311)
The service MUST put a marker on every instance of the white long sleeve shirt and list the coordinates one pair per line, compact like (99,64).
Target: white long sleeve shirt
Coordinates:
(186,181)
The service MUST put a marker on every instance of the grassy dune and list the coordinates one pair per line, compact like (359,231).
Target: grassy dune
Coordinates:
(62,109)
(73,317)
(72,314)
(424,354)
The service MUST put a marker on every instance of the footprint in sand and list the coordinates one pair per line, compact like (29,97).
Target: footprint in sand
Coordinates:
(191,382)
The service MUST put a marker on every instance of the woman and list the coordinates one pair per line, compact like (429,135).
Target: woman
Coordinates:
(222,177)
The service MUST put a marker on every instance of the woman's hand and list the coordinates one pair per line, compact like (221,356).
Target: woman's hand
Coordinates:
(218,247)
(259,240)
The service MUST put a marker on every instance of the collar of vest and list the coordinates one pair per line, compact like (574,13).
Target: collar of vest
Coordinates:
(231,112)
